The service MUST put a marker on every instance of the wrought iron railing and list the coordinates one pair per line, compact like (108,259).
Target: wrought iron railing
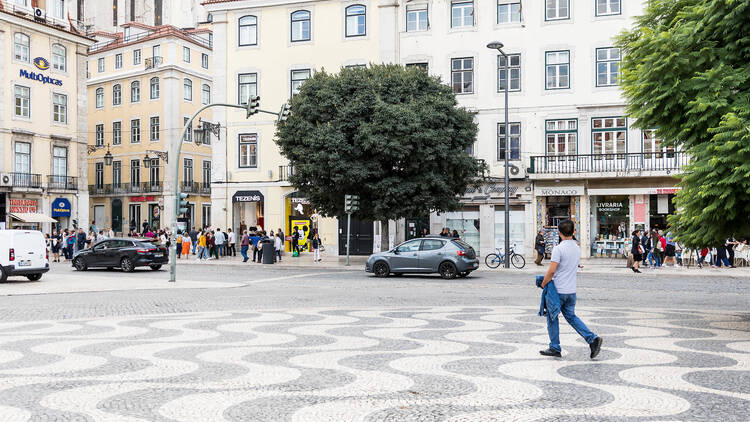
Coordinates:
(285,172)
(597,163)
(62,182)
(125,188)
(26,180)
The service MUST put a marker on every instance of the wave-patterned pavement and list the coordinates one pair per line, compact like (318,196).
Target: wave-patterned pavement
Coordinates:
(400,364)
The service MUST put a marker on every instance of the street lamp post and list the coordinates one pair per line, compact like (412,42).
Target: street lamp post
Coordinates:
(497,45)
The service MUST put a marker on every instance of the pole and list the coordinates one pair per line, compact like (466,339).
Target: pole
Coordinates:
(507,156)
(348,239)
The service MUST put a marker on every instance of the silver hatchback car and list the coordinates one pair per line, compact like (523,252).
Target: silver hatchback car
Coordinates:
(447,256)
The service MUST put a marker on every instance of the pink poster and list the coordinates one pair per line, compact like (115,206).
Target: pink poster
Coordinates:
(639,211)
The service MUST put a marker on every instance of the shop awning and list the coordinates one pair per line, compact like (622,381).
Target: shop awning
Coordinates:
(247,196)
(30,217)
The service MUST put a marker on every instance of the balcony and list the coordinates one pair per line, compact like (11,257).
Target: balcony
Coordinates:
(196,188)
(121,189)
(62,183)
(26,180)
(285,172)
(607,165)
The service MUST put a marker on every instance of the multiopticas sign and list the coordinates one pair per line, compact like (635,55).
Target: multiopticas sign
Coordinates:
(39,77)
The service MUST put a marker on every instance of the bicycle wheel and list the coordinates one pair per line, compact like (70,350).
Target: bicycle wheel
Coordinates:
(518,261)
(493,260)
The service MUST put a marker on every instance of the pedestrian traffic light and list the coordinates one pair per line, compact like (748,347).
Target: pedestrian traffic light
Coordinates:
(284,113)
(253,104)
(182,207)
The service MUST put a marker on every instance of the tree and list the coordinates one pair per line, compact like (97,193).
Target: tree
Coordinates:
(686,72)
(393,136)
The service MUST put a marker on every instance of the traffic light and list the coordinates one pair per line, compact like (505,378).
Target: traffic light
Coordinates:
(351,203)
(284,113)
(182,206)
(355,203)
(253,104)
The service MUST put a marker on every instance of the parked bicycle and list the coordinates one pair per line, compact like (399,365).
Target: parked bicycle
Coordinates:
(494,260)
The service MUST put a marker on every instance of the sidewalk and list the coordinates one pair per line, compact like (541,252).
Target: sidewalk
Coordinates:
(590,265)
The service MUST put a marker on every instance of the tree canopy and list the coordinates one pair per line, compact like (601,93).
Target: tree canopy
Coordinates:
(686,73)
(393,136)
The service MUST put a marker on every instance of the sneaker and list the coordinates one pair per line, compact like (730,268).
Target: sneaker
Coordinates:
(596,347)
(550,352)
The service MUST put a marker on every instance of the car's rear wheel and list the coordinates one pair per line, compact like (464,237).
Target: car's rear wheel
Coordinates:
(381,269)
(447,270)
(3,275)
(126,264)
(79,264)
(34,277)
(492,260)
(155,267)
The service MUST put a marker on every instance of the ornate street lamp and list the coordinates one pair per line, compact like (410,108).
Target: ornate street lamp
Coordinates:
(108,157)
(146,161)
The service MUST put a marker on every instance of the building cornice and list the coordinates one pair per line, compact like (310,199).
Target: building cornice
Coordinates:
(160,69)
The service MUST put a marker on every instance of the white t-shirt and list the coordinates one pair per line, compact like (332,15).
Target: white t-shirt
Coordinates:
(231,238)
(567,255)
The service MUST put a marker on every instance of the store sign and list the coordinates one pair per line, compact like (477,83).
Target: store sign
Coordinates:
(142,198)
(41,63)
(247,196)
(609,206)
(61,208)
(22,205)
(490,189)
(39,77)
(559,191)
(663,191)
(303,201)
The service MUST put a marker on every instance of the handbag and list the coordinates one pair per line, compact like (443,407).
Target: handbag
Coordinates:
(641,250)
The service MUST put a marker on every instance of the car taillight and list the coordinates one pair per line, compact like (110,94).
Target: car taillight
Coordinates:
(461,253)
(11,254)
(47,254)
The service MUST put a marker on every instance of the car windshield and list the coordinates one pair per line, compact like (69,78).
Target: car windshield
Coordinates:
(463,245)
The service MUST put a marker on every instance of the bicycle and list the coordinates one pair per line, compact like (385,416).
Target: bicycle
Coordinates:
(494,260)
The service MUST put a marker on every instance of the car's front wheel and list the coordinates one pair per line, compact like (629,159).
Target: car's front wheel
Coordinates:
(126,264)
(34,277)
(79,264)
(155,267)
(381,269)
(447,270)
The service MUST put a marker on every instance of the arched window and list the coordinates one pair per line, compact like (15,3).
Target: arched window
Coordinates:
(301,25)
(248,30)
(187,89)
(59,61)
(135,91)
(205,94)
(154,88)
(99,97)
(116,94)
(356,21)
(21,47)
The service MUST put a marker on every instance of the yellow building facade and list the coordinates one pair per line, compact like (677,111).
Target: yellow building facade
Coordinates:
(269,51)
(144,84)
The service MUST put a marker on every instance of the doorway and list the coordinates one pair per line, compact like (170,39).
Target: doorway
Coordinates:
(99,216)
(361,237)
(134,214)
(116,215)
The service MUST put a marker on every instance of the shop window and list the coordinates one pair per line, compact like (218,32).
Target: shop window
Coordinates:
(610,221)
(467,224)
(517,230)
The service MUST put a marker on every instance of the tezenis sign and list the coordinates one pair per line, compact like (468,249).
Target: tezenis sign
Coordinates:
(39,77)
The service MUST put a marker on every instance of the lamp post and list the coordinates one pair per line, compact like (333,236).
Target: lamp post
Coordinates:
(497,45)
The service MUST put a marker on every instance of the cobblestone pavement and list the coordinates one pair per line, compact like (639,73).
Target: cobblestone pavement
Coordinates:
(404,363)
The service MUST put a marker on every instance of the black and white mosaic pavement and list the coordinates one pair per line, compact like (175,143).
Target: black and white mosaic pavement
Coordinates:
(445,363)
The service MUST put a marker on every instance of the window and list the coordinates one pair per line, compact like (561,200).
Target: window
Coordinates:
(607,66)
(462,13)
(153,174)
(116,133)
(135,91)
(59,163)
(508,11)
(135,172)
(417,18)
(57,8)
(609,136)
(607,7)
(301,26)
(412,246)
(248,30)
(514,67)
(59,58)
(562,137)
(186,54)
(557,10)
(22,161)
(22,97)
(116,94)
(100,64)
(298,77)
(60,108)
(154,84)
(21,47)
(557,68)
(204,60)
(356,21)
(515,141)
(189,132)
(205,215)
(126,31)
(187,89)
(206,173)
(99,139)
(156,51)
(118,61)
(135,131)
(187,171)
(432,244)
(462,75)
(99,97)
(99,173)
(248,153)
(247,87)
(136,57)
(421,65)
(153,131)
(653,146)
(117,174)
(205,94)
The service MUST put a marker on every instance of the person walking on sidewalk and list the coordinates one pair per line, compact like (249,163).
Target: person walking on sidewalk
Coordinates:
(220,241)
(295,241)
(244,246)
(637,251)
(563,267)
(231,240)
(185,244)
(316,244)
(202,243)
(193,240)
(539,247)
(278,243)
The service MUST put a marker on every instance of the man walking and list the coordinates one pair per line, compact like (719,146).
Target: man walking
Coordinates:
(539,247)
(220,241)
(563,267)
(193,240)
(244,245)
(231,241)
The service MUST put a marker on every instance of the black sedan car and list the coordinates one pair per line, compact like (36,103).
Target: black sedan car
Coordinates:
(123,253)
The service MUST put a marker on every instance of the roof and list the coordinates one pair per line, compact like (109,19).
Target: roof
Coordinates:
(190,35)
(11,9)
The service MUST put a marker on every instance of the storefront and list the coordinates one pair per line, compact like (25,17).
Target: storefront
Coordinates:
(467,223)
(24,214)
(299,216)
(555,203)
(61,210)
(247,209)
(610,225)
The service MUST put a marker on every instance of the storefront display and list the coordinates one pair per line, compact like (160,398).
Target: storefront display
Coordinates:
(299,213)
(610,222)
(466,222)
(248,210)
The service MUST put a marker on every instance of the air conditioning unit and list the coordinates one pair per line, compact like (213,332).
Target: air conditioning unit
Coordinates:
(516,172)
(40,14)
(6,179)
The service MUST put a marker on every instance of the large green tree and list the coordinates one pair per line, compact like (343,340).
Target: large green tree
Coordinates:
(394,136)
(686,72)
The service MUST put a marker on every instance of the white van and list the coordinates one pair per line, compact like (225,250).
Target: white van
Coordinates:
(23,252)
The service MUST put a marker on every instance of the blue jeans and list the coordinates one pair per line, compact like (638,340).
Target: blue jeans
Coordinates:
(195,243)
(567,309)
(243,252)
